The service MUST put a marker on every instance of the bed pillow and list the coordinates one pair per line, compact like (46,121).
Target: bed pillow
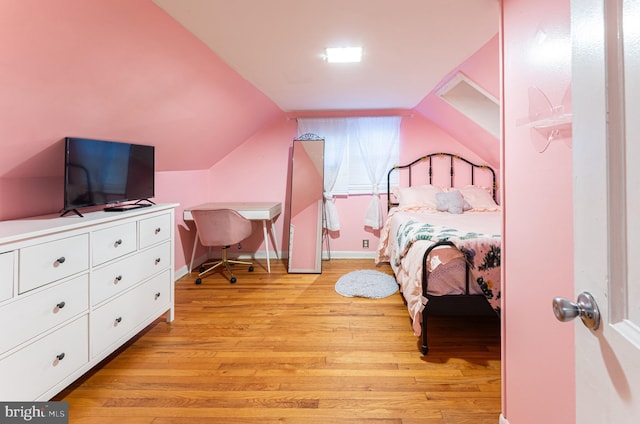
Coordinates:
(452,202)
(424,195)
(479,198)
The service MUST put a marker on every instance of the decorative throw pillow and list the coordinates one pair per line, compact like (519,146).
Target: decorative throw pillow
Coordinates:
(452,202)
(424,195)
(479,198)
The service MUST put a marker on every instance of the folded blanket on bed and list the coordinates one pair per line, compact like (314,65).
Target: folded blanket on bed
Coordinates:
(482,251)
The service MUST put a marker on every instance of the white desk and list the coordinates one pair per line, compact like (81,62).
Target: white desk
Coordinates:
(255,211)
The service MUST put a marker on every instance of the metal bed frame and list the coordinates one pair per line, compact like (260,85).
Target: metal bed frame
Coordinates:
(437,301)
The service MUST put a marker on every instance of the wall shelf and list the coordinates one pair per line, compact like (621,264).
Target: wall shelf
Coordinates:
(557,122)
(550,121)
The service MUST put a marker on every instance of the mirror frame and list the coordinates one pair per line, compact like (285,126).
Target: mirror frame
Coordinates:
(306,205)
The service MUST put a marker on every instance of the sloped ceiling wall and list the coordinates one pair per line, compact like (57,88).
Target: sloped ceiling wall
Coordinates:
(117,70)
(483,68)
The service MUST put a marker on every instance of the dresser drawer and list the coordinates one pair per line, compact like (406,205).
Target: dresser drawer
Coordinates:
(154,230)
(6,275)
(36,313)
(125,273)
(116,319)
(113,242)
(32,371)
(47,262)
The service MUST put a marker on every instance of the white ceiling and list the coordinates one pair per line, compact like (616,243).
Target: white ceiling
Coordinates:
(278,46)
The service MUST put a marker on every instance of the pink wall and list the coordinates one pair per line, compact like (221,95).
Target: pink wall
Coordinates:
(538,378)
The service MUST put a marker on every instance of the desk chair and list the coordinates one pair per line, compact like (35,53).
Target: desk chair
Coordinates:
(221,227)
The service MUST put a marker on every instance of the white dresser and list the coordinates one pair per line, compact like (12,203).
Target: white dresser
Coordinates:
(74,289)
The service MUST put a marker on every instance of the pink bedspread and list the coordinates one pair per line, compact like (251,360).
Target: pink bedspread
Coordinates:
(477,234)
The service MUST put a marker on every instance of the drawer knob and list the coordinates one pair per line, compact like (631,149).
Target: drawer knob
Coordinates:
(60,357)
(119,320)
(60,260)
(158,230)
(61,305)
(118,278)
(157,295)
(118,242)
(157,261)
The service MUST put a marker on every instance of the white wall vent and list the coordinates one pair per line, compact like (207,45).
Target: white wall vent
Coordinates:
(472,101)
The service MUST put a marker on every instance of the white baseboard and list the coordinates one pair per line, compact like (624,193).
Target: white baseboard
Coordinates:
(503,420)
(350,255)
(182,271)
(334,255)
(325,255)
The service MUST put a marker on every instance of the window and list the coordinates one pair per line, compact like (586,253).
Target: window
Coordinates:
(360,150)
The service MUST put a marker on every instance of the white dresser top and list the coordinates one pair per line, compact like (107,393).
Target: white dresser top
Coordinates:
(26,228)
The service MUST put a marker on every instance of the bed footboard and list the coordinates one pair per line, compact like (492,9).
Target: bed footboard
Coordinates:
(424,346)
(462,304)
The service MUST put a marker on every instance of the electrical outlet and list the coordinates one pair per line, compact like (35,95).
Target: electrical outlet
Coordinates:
(365,244)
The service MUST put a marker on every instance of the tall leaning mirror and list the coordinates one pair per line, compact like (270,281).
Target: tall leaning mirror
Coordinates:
(306,205)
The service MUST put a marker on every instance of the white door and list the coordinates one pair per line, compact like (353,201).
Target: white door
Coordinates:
(606,151)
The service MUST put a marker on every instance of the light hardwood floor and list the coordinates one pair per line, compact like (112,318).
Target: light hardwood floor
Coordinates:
(286,348)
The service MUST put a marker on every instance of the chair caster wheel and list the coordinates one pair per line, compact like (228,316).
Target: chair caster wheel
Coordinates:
(201,269)
(251,268)
(233,280)
(198,280)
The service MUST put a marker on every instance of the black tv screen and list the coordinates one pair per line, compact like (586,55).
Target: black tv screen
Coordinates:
(99,172)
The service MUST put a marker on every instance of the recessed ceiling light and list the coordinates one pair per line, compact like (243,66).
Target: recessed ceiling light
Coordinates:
(343,54)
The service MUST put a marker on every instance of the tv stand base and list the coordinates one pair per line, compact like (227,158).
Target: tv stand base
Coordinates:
(74,211)
(123,208)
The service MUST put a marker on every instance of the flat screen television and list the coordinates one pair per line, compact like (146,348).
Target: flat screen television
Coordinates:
(100,172)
